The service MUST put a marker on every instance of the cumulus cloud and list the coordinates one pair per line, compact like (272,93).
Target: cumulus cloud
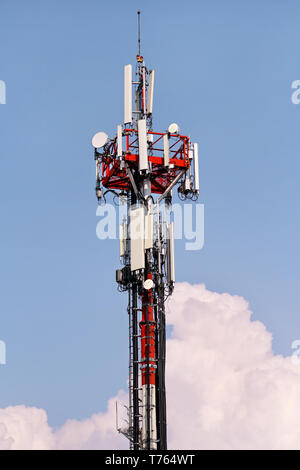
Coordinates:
(25,428)
(97,432)
(225,387)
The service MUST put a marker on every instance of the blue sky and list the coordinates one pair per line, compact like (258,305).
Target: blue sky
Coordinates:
(224,72)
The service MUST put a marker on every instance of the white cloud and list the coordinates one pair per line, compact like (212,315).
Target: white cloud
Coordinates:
(225,387)
(25,428)
(97,432)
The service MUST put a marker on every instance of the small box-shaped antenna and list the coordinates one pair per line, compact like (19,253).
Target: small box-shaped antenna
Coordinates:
(128,94)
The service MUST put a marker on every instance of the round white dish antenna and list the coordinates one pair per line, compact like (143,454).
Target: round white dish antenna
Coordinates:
(99,140)
(148,284)
(173,128)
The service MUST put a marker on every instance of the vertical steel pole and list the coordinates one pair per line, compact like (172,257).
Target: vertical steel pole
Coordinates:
(161,368)
(135,359)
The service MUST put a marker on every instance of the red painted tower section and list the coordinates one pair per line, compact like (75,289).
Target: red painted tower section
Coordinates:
(139,168)
(148,333)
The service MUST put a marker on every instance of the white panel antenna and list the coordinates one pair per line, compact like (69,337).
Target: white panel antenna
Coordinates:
(171,260)
(128,94)
(123,238)
(196,168)
(187,182)
(137,234)
(166,150)
(143,145)
(148,231)
(121,229)
(150,92)
(144,90)
(119,141)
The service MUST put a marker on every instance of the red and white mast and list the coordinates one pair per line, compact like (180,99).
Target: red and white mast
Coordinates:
(141,167)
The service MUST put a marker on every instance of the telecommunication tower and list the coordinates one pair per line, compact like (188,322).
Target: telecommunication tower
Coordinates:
(141,167)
